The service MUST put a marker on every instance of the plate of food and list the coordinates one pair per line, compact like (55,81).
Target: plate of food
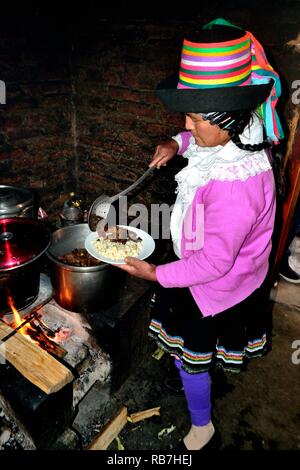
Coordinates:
(117,242)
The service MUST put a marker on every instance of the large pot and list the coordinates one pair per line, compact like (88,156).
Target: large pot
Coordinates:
(81,289)
(18,202)
(22,243)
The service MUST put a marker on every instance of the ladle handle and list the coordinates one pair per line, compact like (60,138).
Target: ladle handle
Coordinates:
(133,185)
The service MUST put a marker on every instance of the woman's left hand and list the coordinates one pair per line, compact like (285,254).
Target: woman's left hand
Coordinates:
(138,268)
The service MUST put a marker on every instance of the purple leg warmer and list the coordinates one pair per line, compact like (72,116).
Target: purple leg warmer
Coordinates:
(197,392)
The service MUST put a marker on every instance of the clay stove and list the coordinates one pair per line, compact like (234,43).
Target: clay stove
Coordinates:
(100,347)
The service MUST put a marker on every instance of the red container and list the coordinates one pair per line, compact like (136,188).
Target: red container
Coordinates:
(22,243)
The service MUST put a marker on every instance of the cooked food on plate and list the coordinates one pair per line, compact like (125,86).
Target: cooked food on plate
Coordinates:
(117,243)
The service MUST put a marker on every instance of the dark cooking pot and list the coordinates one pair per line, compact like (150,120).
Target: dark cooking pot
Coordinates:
(18,202)
(22,242)
(76,288)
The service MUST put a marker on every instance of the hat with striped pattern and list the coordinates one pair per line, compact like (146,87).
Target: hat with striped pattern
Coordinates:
(224,68)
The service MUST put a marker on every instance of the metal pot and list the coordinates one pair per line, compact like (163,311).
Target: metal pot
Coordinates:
(22,243)
(18,202)
(81,289)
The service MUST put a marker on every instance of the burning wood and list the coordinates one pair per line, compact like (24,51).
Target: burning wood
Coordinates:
(26,348)
(36,330)
(38,323)
(40,334)
(34,363)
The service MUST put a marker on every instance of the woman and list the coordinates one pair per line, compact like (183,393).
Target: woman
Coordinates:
(210,307)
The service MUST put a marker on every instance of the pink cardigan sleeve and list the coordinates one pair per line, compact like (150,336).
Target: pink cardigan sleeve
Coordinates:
(229,214)
(183,141)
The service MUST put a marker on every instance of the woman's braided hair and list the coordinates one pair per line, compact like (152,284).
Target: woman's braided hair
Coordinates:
(235,122)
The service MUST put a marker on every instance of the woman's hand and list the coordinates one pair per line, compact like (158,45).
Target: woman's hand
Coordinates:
(138,268)
(163,153)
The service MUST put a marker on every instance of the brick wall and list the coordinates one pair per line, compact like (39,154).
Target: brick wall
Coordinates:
(36,143)
(120,120)
(81,112)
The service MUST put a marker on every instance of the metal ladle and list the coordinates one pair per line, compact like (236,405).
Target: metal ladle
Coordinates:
(101,206)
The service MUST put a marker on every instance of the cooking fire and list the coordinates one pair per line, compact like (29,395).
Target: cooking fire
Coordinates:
(37,331)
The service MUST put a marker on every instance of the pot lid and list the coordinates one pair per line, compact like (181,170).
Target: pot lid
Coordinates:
(21,241)
(14,198)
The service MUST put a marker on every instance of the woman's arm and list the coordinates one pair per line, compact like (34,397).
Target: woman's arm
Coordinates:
(228,219)
(167,150)
(229,215)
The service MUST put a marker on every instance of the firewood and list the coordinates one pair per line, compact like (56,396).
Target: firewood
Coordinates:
(5,330)
(38,334)
(110,431)
(136,417)
(34,363)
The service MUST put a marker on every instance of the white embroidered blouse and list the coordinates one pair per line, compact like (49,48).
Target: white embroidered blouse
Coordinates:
(222,163)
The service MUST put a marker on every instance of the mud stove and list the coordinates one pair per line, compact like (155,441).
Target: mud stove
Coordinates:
(98,347)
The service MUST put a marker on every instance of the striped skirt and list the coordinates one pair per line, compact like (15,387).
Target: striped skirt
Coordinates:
(227,339)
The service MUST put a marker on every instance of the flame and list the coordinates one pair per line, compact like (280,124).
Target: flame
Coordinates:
(17,317)
(25,330)
(40,334)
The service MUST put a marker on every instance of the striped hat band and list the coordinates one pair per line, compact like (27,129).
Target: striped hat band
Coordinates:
(205,65)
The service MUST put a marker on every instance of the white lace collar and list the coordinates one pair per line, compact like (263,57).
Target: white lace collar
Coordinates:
(222,163)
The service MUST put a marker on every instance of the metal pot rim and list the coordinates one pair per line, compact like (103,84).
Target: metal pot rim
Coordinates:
(68,267)
(22,241)
(23,198)
(30,261)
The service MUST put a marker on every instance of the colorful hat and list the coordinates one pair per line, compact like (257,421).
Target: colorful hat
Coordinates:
(224,68)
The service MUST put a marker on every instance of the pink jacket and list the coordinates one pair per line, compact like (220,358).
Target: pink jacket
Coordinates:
(233,262)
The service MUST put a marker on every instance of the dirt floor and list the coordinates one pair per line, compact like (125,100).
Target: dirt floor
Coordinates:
(258,409)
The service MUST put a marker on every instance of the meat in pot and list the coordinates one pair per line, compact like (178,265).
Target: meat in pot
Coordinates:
(79,257)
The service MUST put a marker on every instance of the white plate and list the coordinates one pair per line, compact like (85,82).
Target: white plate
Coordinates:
(148,245)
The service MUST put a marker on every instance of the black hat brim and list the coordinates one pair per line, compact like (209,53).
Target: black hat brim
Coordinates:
(205,100)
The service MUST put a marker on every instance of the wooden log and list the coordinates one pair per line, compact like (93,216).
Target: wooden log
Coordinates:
(110,431)
(5,330)
(140,415)
(38,334)
(39,367)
